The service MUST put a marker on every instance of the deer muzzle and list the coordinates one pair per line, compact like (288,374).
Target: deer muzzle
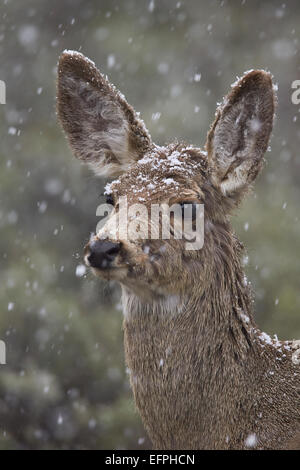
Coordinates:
(100,254)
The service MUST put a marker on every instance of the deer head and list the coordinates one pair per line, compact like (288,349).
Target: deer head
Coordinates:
(105,132)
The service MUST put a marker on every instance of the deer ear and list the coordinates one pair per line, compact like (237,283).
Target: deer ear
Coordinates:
(102,128)
(241,131)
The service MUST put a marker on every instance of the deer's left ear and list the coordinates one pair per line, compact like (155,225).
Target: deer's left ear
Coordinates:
(103,130)
(240,133)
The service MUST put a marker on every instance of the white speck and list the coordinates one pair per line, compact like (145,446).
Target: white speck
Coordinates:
(161,363)
(141,441)
(163,68)
(12,217)
(28,35)
(244,318)
(276,301)
(245,260)
(251,440)
(60,420)
(255,125)
(197,77)
(111,61)
(283,49)
(156,116)
(151,6)
(12,130)
(285,155)
(42,312)
(246,226)
(10,306)
(176,90)
(80,270)
(108,187)
(92,423)
(265,338)
(169,181)
(39,90)
(102,34)
(42,206)
(279,13)
(53,186)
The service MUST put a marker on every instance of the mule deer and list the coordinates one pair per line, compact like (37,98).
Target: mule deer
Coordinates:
(203,375)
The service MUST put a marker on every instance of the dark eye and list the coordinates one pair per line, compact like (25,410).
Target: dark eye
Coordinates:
(189,209)
(109,199)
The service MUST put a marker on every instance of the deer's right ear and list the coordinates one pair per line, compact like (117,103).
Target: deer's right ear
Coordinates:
(102,128)
(239,137)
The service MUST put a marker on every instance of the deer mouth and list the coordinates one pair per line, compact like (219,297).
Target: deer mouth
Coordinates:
(111,274)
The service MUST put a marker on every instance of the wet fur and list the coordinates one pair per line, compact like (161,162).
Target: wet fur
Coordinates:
(202,373)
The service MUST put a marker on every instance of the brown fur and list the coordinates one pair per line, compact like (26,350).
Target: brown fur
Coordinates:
(202,373)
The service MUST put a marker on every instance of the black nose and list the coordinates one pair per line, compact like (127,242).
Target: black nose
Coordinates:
(102,253)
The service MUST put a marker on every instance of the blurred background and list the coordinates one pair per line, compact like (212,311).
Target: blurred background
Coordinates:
(65,384)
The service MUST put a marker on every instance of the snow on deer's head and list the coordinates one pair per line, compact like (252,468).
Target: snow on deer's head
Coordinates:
(105,132)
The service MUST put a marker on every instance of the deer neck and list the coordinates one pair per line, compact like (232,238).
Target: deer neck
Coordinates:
(203,375)
(186,356)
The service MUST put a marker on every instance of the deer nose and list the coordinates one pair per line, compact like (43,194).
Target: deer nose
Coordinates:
(102,253)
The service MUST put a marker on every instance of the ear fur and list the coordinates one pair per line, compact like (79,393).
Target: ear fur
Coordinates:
(102,128)
(240,134)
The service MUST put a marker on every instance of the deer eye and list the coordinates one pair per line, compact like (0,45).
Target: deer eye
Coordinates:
(188,209)
(109,200)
